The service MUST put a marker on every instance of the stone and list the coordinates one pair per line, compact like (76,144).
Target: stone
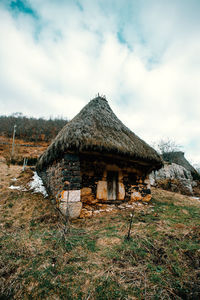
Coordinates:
(71,196)
(136,196)
(72,208)
(85,213)
(88,199)
(86,191)
(88,207)
(75,186)
(121,191)
(177,177)
(102,190)
(104,206)
(147,198)
(87,196)
(148,183)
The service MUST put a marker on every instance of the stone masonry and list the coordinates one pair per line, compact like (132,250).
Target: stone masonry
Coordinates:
(80,181)
(63,181)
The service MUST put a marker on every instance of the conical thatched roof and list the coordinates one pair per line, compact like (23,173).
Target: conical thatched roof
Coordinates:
(178,158)
(97,129)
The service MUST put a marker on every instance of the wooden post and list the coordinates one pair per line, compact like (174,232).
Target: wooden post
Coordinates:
(130,225)
(25,164)
(13,143)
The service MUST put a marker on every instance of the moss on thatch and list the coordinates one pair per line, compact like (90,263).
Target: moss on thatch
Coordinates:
(97,129)
(178,158)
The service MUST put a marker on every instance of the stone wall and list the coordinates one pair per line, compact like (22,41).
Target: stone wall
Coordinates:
(133,183)
(137,187)
(80,181)
(91,172)
(63,181)
(52,177)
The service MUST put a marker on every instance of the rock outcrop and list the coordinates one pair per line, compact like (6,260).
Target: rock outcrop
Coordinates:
(178,157)
(173,177)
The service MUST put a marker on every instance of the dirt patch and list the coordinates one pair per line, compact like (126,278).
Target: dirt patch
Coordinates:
(107,242)
(8,175)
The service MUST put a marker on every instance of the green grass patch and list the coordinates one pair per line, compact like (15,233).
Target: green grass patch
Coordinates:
(106,288)
(160,261)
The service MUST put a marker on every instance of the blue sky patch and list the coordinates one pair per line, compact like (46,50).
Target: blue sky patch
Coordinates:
(23,7)
(121,38)
(79,5)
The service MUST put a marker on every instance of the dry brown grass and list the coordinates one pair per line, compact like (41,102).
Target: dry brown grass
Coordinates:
(95,261)
(180,199)
(21,151)
(7,174)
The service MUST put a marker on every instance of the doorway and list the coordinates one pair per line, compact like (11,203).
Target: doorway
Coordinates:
(112,185)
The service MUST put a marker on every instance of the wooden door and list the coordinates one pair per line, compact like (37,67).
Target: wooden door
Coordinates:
(112,185)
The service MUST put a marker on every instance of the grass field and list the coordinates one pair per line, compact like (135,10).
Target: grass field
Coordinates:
(95,260)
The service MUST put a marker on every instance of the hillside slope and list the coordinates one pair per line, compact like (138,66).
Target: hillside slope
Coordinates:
(29,128)
(95,260)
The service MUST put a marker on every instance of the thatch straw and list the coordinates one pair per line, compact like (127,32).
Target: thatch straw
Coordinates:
(97,129)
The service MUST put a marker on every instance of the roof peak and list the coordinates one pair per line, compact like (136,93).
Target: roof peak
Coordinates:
(100,97)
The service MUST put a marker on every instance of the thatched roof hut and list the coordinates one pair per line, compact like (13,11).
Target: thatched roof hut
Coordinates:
(96,160)
(97,129)
(178,158)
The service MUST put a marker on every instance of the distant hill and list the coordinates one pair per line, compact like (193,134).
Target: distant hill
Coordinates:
(30,129)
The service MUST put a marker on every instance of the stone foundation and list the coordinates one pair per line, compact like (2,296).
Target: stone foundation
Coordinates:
(80,183)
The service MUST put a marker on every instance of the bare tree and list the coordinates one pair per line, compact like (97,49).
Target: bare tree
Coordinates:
(166,145)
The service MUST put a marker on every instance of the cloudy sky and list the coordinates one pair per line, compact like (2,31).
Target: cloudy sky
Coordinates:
(144,55)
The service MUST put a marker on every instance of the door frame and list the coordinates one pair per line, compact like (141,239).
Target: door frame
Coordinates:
(112,184)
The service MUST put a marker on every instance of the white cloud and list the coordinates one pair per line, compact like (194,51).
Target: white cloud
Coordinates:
(55,63)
